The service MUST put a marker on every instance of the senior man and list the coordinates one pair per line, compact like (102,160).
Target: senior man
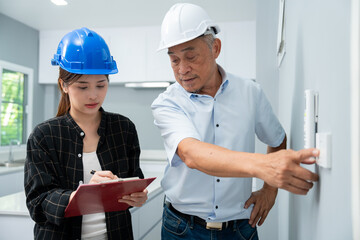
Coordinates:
(209,119)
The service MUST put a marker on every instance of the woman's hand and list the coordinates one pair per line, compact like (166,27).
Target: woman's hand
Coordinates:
(72,195)
(135,199)
(100,176)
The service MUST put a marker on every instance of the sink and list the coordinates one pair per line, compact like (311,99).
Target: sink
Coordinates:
(16,163)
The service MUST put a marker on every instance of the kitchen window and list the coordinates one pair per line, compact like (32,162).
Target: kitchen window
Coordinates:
(15,103)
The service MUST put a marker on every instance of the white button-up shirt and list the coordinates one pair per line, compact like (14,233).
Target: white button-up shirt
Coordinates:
(231,119)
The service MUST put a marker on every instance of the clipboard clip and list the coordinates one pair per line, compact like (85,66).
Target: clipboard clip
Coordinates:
(80,183)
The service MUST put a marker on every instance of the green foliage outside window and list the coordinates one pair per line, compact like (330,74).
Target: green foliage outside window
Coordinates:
(12,107)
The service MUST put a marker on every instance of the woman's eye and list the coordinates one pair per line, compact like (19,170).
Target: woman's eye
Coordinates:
(82,88)
(101,86)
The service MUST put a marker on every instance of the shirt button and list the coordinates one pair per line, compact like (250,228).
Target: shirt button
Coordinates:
(82,134)
(217,125)
(216,207)
(79,155)
(218,180)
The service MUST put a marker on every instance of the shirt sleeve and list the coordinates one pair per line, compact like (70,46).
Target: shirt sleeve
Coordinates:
(133,147)
(45,198)
(174,126)
(267,128)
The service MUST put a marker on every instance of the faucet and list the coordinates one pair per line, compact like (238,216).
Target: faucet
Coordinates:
(11,155)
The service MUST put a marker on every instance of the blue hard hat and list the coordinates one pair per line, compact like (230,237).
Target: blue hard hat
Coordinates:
(83,51)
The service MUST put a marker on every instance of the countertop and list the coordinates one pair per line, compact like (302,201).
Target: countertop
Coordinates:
(8,170)
(14,204)
(154,156)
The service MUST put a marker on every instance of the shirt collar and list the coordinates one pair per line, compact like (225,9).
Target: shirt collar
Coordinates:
(101,129)
(223,86)
(225,80)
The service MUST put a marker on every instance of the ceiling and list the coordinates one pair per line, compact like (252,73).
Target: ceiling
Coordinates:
(44,15)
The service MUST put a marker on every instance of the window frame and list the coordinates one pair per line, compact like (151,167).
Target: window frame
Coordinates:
(28,92)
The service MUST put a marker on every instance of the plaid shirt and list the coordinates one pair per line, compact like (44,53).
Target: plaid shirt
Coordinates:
(54,168)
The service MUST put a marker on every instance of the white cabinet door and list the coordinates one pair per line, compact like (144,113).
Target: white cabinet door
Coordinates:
(146,219)
(155,232)
(158,64)
(128,47)
(48,43)
(12,182)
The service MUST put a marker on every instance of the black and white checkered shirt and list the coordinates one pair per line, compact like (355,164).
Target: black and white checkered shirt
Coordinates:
(54,168)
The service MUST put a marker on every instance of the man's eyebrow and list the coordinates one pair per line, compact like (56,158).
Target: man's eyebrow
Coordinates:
(183,50)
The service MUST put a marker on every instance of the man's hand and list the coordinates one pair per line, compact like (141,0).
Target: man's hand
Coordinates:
(282,170)
(263,201)
(135,199)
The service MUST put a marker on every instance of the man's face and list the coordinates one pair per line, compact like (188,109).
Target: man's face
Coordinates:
(194,64)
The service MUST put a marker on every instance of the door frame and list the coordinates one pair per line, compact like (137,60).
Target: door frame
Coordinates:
(355,116)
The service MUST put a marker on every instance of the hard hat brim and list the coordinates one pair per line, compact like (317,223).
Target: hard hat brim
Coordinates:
(172,44)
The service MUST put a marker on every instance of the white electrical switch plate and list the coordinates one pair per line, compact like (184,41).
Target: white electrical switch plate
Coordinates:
(310,117)
(323,143)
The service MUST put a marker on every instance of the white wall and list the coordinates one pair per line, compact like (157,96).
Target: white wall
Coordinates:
(355,116)
(19,44)
(317,35)
(268,78)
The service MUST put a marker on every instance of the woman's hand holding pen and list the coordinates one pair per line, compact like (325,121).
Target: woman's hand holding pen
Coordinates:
(100,176)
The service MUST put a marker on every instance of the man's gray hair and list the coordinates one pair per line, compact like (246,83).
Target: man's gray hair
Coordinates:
(209,39)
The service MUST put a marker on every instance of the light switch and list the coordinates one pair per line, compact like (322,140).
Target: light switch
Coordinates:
(323,143)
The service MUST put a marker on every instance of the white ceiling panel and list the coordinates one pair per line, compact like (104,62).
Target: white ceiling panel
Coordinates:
(44,15)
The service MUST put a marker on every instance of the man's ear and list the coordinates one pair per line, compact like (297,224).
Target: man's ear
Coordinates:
(216,47)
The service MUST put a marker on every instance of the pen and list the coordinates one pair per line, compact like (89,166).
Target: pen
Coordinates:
(92,172)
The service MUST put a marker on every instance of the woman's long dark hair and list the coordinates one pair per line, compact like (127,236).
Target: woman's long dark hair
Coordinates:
(67,79)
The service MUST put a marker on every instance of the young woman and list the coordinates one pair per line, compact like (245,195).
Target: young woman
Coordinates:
(63,150)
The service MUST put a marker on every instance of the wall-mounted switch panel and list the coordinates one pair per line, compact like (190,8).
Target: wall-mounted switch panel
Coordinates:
(323,143)
(310,117)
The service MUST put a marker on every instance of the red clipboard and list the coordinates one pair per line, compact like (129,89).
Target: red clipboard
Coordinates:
(103,197)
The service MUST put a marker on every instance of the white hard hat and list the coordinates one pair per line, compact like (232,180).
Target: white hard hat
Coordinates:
(185,22)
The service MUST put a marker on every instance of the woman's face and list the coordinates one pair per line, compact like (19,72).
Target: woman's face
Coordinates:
(87,94)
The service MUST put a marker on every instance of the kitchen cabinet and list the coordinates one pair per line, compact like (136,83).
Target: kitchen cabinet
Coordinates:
(146,219)
(11,179)
(158,66)
(127,45)
(155,232)
(48,43)
(134,50)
